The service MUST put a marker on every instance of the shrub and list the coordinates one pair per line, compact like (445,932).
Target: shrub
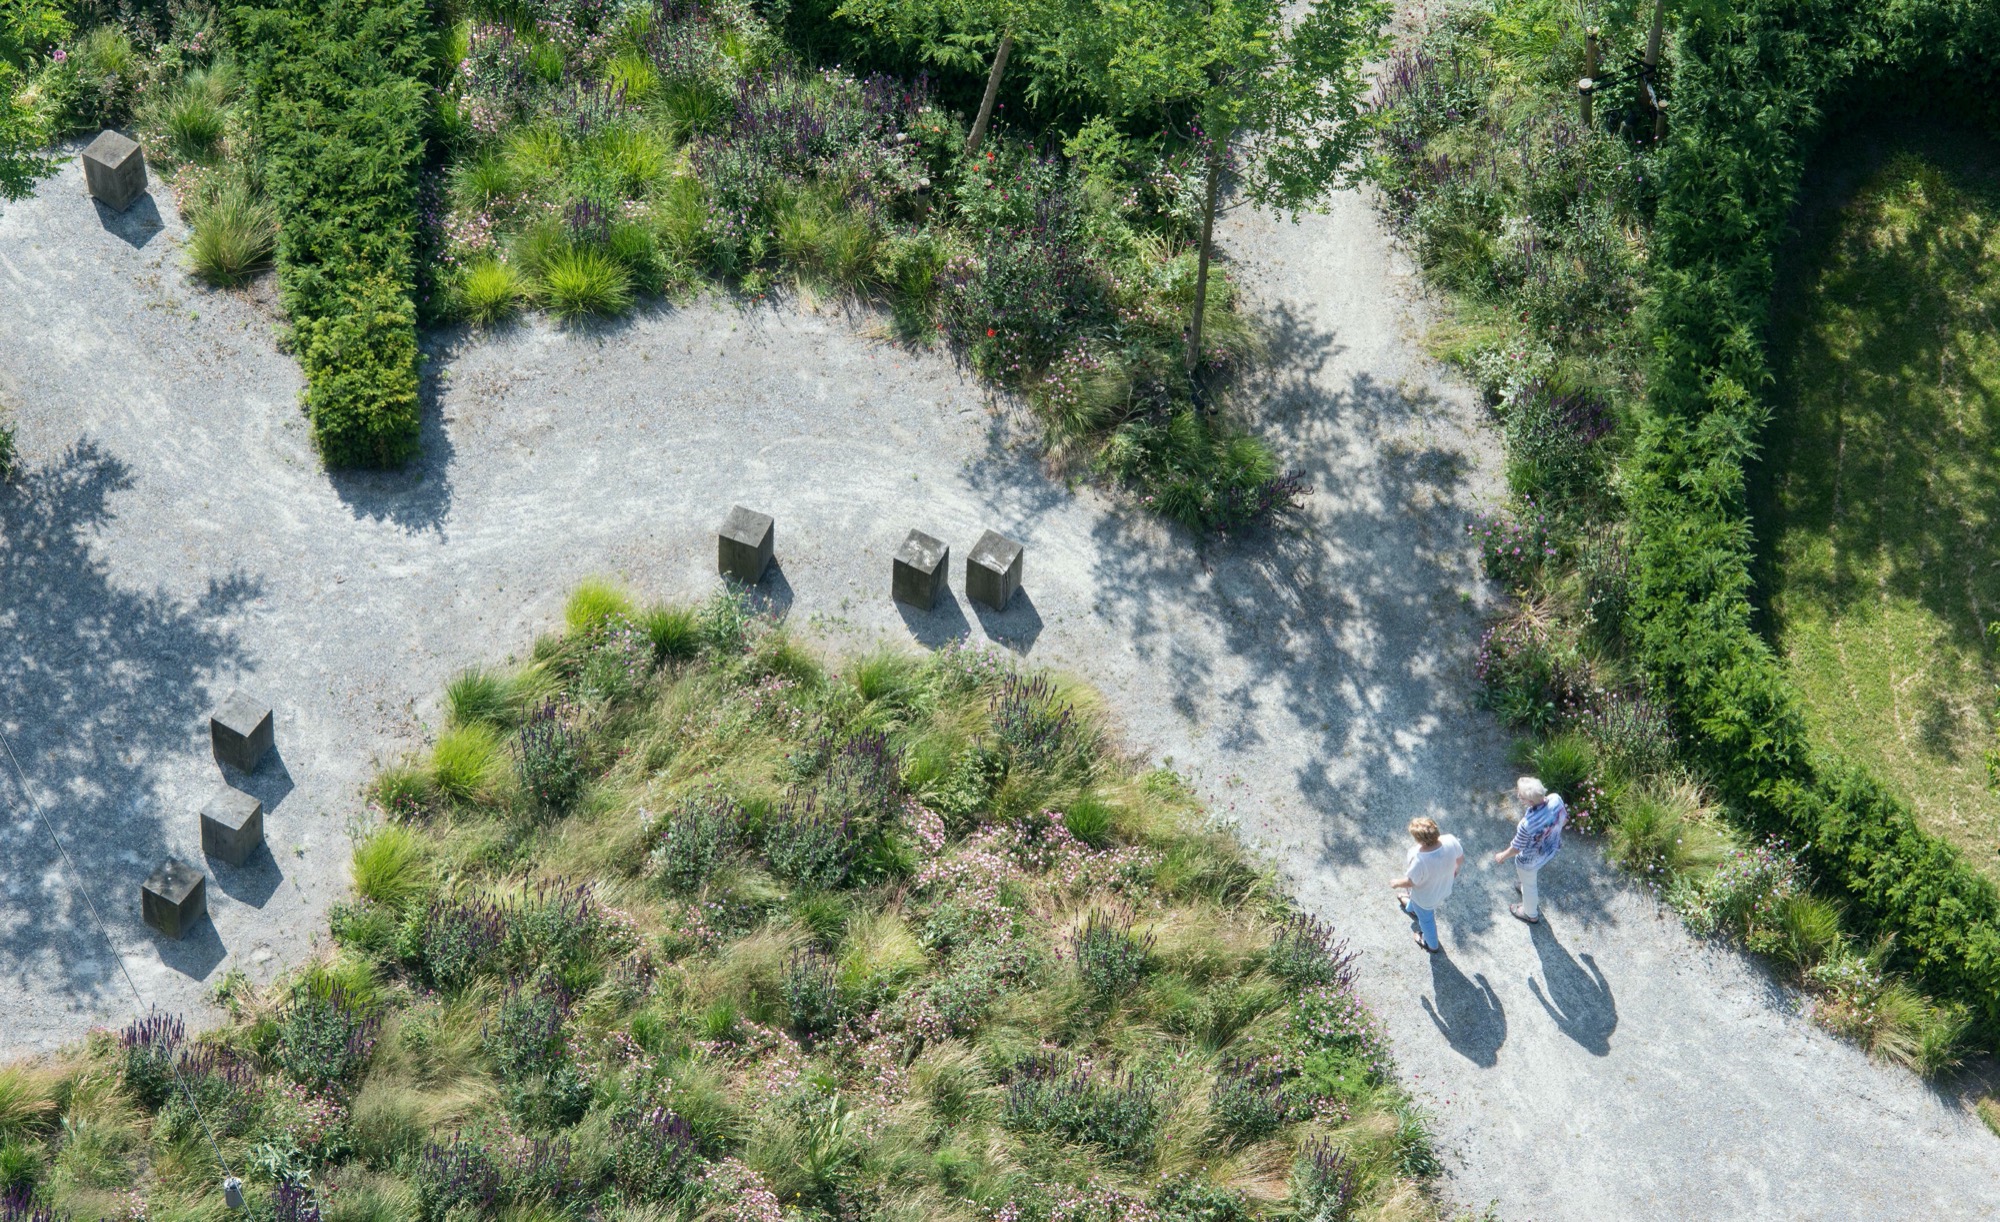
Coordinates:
(549,760)
(812,995)
(10,452)
(1035,724)
(490,291)
(389,867)
(460,1174)
(1248,1102)
(150,1050)
(1526,677)
(1513,547)
(655,1157)
(465,760)
(1119,1113)
(813,846)
(339,107)
(695,835)
(580,281)
(1109,959)
(455,940)
(1306,953)
(1195,1198)
(232,237)
(325,1036)
(1324,1183)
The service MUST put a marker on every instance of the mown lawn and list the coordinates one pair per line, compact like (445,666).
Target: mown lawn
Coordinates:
(1883,487)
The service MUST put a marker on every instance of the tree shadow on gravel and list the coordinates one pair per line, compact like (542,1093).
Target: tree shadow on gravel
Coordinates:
(100,686)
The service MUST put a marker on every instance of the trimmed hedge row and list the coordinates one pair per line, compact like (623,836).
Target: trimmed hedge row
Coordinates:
(1753,93)
(339,110)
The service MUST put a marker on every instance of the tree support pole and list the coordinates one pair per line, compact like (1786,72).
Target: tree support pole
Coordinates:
(992,93)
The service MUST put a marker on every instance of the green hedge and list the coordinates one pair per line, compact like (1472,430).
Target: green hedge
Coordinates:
(1754,92)
(339,104)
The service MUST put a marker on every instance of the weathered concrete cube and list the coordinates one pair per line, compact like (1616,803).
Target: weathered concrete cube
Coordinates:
(240,730)
(993,570)
(174,898)
(743,547)
(114,170)
(919,571)
(232,825)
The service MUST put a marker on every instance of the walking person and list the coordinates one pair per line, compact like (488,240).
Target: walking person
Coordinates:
(1427,877)
(1536,838)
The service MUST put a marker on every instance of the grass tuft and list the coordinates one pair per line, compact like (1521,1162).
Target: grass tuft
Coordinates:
(593,605)
(232,237)
(580,282)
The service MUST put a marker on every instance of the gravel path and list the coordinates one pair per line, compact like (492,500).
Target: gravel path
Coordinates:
(172,537)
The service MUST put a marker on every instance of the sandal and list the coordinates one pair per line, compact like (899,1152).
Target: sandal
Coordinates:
(1515,909)
(1419,938)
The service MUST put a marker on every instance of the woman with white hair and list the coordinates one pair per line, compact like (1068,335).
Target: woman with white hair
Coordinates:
(1536,838)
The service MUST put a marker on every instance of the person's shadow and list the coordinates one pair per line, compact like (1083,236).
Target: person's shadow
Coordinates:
(1467,1012)
(1578,998)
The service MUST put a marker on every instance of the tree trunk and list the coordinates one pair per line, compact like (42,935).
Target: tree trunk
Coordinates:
(992,93)
(1201,263)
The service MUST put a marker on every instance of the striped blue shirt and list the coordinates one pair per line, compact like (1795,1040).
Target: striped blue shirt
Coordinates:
(1540,832)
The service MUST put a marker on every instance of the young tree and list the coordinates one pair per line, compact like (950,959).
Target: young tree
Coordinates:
(1270,102)
(956,34)
(29,29)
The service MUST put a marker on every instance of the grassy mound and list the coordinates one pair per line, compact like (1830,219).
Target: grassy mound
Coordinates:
(1882,479)
(676,922)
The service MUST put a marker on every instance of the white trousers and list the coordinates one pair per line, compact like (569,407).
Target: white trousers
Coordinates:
(1531,900)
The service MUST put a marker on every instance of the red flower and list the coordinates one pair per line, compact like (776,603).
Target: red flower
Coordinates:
(989,333)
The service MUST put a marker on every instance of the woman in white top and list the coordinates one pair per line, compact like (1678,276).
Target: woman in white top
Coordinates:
(1432,869)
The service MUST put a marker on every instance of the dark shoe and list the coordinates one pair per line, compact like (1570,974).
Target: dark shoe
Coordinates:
(1427,946)
(1520,916)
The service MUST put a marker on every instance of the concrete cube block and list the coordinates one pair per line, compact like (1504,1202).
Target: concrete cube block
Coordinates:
(743,547)
(114,170)
(232,825)
(993,570)
(240,729)
(174,898)
(921,568)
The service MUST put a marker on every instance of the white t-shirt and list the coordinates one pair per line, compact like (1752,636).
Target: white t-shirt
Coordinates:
(1432,873)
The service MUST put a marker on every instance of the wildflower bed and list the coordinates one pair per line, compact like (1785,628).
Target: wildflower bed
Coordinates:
(674,921)
(1612,290)
(598,154)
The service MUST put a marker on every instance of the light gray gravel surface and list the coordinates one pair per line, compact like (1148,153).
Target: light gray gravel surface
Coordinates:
(172,536)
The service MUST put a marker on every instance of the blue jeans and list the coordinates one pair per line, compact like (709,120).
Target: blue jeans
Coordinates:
(1427,924)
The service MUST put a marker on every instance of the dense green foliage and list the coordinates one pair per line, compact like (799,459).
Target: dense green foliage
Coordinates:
(339,102)
(1618,297)
(804,945)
